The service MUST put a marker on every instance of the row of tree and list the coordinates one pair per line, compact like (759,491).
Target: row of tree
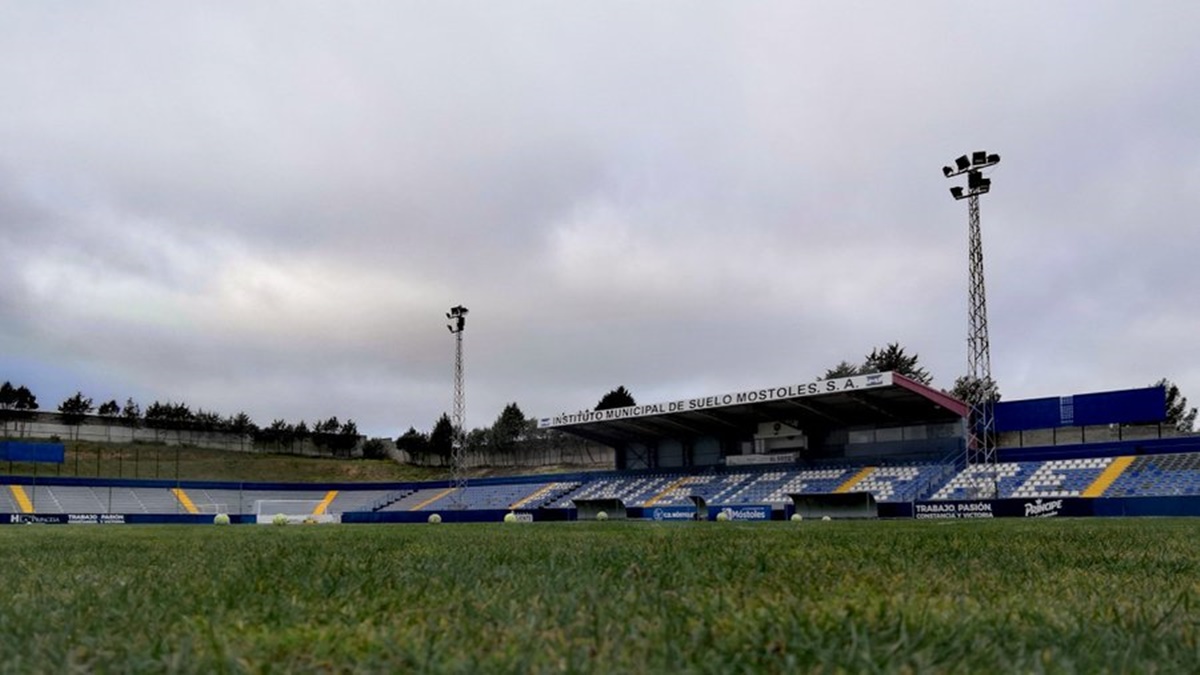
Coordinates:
(509,430)
(332,435)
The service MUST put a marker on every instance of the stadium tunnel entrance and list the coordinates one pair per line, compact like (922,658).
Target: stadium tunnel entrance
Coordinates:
(881,416)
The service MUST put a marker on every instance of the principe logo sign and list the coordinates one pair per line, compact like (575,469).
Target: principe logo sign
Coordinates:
(1043,509)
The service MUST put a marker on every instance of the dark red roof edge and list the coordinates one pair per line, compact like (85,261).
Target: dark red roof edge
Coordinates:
(939,397)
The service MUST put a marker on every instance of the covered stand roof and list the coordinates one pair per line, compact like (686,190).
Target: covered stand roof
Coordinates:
(880,399)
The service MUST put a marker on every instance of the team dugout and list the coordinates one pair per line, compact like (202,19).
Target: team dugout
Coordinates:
(878,416)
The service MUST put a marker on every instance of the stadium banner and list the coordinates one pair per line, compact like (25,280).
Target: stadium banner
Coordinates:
(830,386)
(776,458)
(743,512)
(33,519)
(114,519)
(1030,507)
(665,513)
(452,516)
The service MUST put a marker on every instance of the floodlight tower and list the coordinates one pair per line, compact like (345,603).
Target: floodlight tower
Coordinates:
(458,472)
(981,443)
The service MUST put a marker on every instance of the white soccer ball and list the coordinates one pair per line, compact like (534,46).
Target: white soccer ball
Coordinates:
(826,518)
(510,517)
(601,516)
(221,519)
(434,518)
(279,519)
(723,516)
(796,517)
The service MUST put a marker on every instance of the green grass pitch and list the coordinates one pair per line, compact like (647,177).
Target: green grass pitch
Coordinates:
(1119,595)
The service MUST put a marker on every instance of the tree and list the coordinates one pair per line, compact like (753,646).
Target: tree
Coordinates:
(415,443)
(324,433)
(1179,415)
(209,422)
(131,414)
(441,439)
(8,402)
(617,398)
(374,448)
(508,429)
(242,426)
(968,387)
(892,357)
(26,403)
(843,369)
(73,410)
(300,434)
(346,438)
(109,412)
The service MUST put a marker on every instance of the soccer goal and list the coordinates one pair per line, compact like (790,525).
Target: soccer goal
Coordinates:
(293,510)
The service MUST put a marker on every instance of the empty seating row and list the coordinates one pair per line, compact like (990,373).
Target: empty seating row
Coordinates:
(1158,475)
(760,486)
(1145,476)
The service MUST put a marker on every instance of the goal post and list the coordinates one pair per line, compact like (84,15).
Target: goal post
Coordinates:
(213,508)
(294,510)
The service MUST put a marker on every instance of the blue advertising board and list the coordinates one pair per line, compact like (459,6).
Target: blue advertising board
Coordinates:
(21,451)
(662,513)
(741,512)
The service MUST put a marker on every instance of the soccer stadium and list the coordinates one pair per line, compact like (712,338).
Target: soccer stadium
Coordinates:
(868,446)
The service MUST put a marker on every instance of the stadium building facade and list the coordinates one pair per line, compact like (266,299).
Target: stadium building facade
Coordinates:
(881,416)
(864,446)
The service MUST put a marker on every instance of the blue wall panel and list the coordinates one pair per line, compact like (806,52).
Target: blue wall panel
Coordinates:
(19,451)
(1128,406)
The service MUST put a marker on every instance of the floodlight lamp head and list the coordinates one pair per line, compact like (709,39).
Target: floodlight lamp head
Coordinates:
(993,159)
(963,163)
(976,181)
(948,170)
(956,192)
(979,158)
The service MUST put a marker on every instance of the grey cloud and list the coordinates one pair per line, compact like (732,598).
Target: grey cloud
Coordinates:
(268,207)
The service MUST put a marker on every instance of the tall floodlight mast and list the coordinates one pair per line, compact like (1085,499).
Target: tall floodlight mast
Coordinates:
(981,442)
(458,471)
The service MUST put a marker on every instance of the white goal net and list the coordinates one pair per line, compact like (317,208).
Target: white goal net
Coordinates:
(293,510)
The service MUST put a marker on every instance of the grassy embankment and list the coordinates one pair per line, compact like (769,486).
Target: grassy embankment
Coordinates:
(153,460)
(1002,596)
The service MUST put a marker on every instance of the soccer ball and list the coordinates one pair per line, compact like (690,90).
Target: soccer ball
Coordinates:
(601,516)
(434,518)
(826,518)
(221,519)
(723,516)
(279,519)
(796,517)
(510,517)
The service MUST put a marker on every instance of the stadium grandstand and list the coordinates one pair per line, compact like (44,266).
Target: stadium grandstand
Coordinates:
(879,445)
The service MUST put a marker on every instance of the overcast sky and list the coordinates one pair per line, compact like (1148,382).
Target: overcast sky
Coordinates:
(269,206)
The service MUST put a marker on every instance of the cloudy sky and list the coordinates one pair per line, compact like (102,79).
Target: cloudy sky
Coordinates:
(269,206)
